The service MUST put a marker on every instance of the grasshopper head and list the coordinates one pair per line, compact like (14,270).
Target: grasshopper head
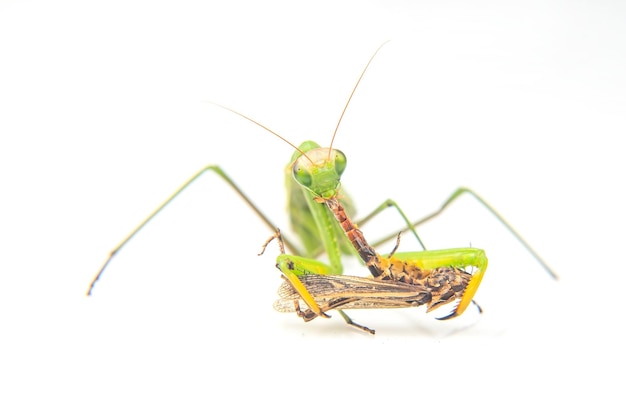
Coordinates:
(468,294)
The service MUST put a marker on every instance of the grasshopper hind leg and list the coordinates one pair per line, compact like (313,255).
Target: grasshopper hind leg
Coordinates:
(308,314)
(334,304)
(357,325)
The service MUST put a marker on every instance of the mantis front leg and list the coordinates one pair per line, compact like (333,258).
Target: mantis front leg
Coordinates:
(293,267)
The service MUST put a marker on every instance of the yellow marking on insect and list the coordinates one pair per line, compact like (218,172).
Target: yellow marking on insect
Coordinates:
(430,278)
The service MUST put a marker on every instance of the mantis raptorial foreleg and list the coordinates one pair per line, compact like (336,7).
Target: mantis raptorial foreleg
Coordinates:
(456,194)
(320,216)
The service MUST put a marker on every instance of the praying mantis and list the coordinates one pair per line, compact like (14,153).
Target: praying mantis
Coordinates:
(320,216)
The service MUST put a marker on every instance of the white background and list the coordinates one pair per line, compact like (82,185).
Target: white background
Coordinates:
(104,111)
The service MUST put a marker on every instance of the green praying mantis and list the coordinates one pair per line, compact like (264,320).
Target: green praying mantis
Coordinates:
(320,215)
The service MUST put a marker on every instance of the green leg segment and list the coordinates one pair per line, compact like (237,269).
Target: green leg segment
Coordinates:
(456,258)
(217,170)
(456,194)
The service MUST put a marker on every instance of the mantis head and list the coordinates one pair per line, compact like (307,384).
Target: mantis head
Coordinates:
(319,170)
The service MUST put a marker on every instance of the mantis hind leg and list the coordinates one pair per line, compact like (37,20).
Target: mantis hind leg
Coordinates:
(213,168)
(455,195)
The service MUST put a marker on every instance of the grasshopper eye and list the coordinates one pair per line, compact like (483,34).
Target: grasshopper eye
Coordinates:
(301,175)
(340,161)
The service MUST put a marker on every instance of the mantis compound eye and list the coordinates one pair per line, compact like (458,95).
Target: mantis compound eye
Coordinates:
(302,175)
